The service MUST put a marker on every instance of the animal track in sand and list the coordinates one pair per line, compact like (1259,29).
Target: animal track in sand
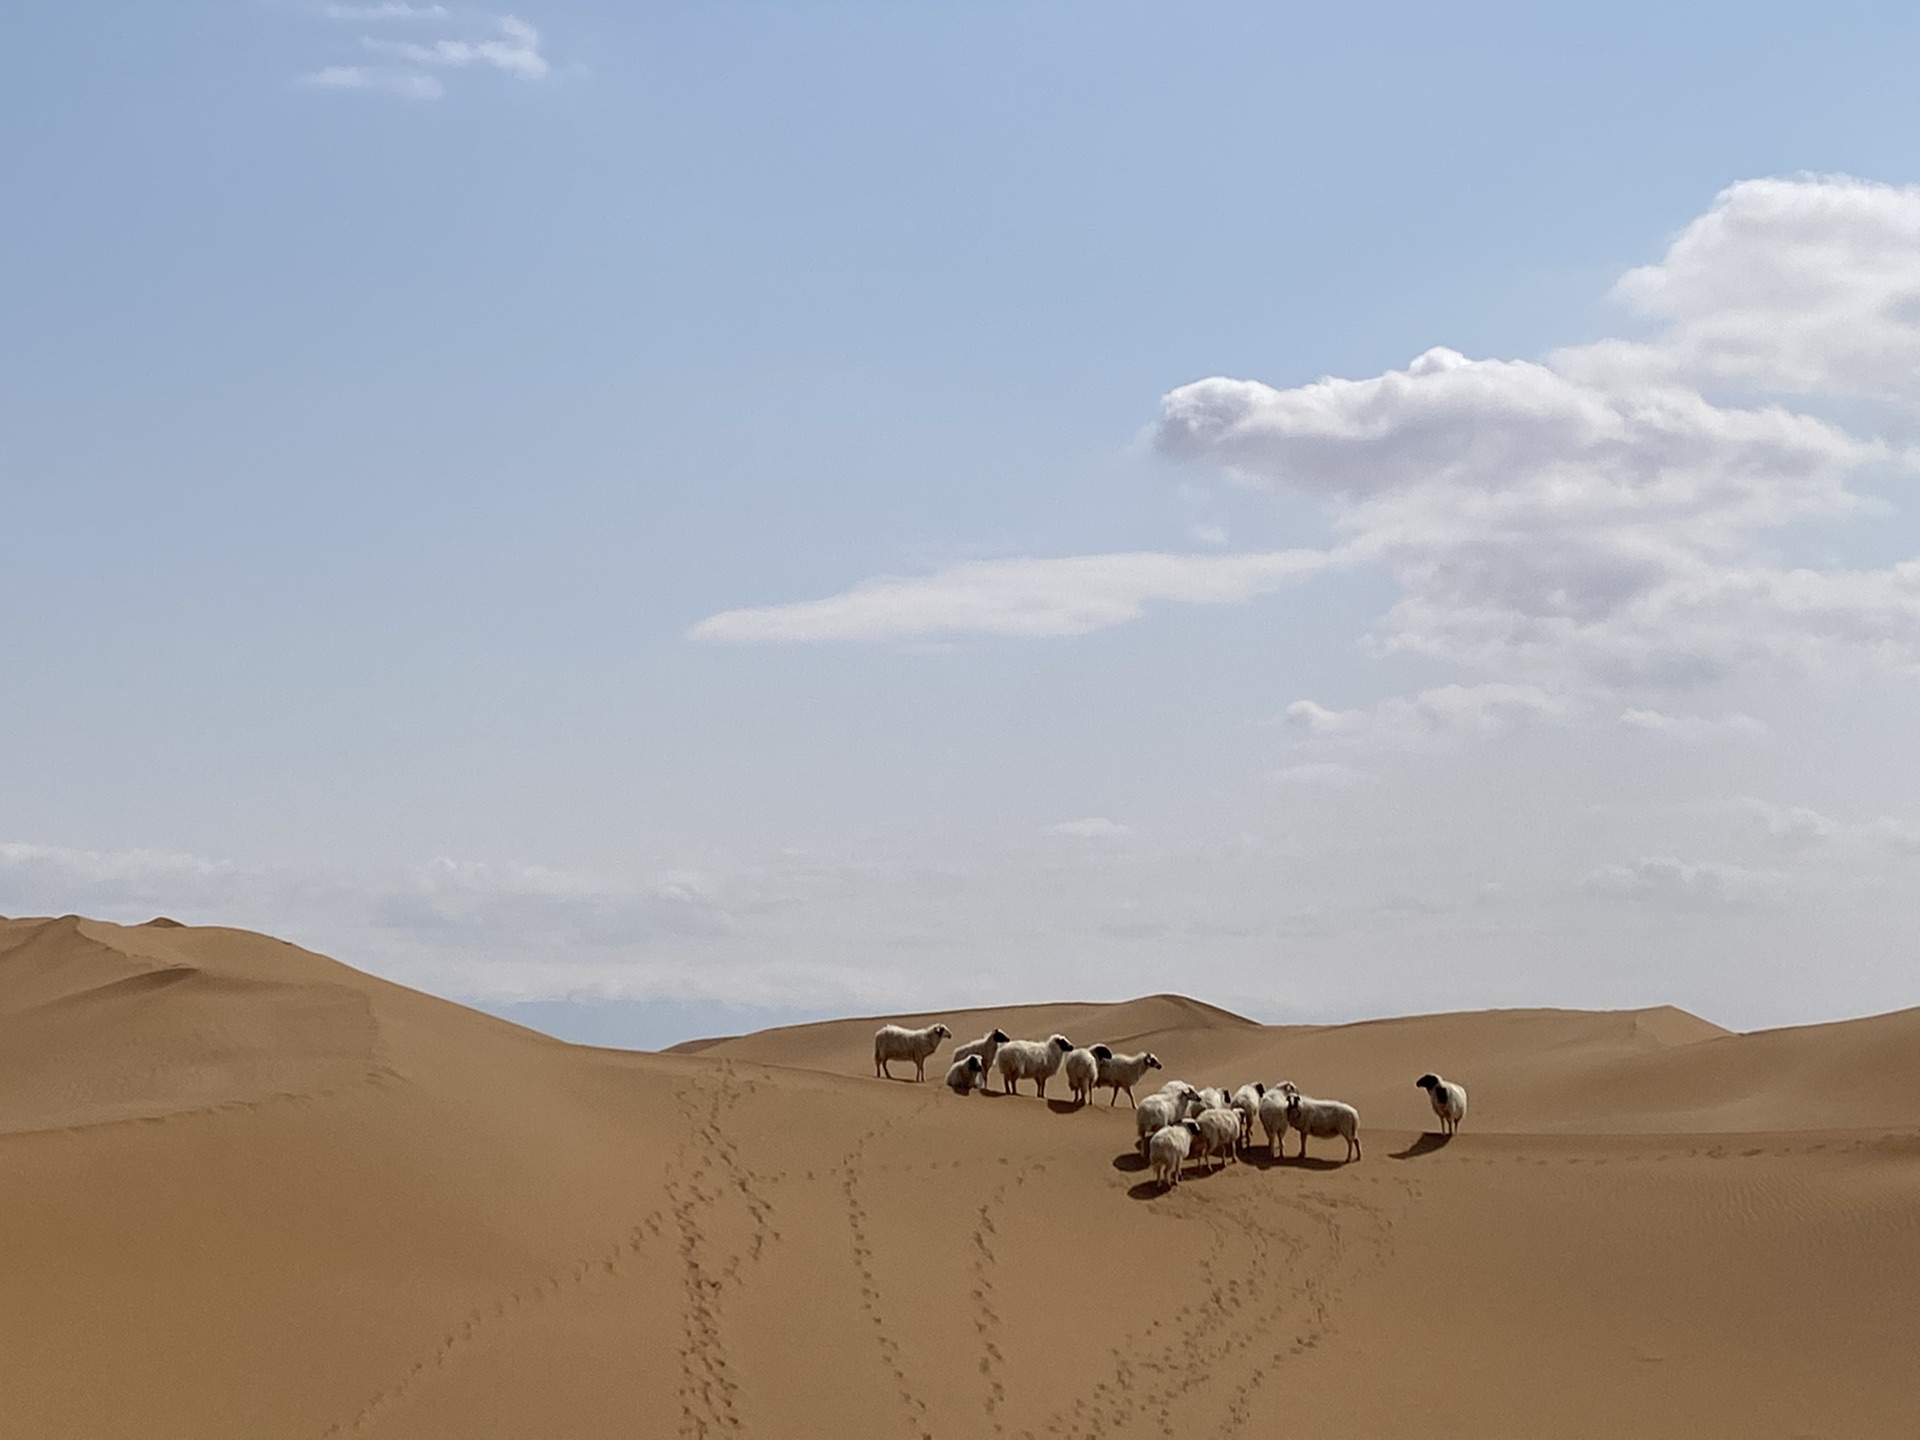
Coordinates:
(707,1392)
(870,1297)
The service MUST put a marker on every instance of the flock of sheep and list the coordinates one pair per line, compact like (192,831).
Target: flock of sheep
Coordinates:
(1175,1124)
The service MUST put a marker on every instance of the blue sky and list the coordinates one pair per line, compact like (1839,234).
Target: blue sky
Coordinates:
(388,392)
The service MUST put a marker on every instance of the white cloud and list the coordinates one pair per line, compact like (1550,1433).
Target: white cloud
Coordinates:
(1691,728)
(1542,528)
(1432,719)
(1330,774)
(1094,827)
(1808,286)
(1798,828)
(506,43)
(1791,827)
(1066,596)
(364,77)
(388,10)
(1663,882)
(515,48)
(1597,523)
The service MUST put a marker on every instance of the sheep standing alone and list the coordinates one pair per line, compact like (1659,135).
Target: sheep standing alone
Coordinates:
(986,1047)
(1324,1118)
(1168,1149)
(966,1076)
(1035,1060)
(1083,1068)
(896,1042)
(1449,1101)
(1219,1130)
(1123,1072)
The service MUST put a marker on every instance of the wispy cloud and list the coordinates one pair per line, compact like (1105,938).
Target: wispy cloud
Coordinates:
(1600,530)
(515,49)
(1094,827)
(1667,883)
(407,67)
(1068,596)
(364,77)
(389,10)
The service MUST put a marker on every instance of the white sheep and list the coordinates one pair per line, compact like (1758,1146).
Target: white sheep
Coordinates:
(1188,1096)
(966,1076)
(986,1047)
(1083,1069)
(1273,1114)
(1168,1149)
(1247,1101)
(896,1042)
(1449,1101)
(1122,1072)
(1155,1113)
(1035,1060)
(1324,1118)
(1219,1132)
(1213,1097)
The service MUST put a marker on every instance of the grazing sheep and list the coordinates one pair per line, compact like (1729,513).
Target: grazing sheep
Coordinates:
(1083,1068)
(1168,1150)
(1324,1118)
(1273,1114)
(896,1042)
(1123,1072)
(966,1076)
(986,1047)
(1219,1131)
(1034,1060)
(1449,1101)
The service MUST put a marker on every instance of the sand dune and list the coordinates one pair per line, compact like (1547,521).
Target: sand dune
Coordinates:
(251,1191)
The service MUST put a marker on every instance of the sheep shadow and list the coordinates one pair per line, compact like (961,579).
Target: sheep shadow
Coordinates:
(1427,1143)
(1066,1107)
(1260,1158)
(1132,1161)
(1190,1174)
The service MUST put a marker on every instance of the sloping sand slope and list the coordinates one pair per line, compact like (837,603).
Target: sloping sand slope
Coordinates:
(245,1190)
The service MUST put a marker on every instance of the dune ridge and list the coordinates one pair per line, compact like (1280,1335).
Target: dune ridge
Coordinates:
(251,1190)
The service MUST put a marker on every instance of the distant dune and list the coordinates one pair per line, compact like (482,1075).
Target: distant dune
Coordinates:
(251,1191)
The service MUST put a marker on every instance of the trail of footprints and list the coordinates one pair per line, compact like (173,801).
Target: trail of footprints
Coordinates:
(1273,1267)
(870,1297)
(706,1165)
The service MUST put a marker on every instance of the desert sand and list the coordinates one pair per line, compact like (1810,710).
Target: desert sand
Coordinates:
(251,1191)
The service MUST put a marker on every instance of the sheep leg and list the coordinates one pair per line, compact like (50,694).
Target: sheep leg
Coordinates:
(885,1067)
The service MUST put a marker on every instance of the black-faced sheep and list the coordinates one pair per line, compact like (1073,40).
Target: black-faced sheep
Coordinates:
(986,1047)
(1035,1060)
(1449,1101)
(1273,1115)
(966,1076)
(1122,1072)
(896,1042)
